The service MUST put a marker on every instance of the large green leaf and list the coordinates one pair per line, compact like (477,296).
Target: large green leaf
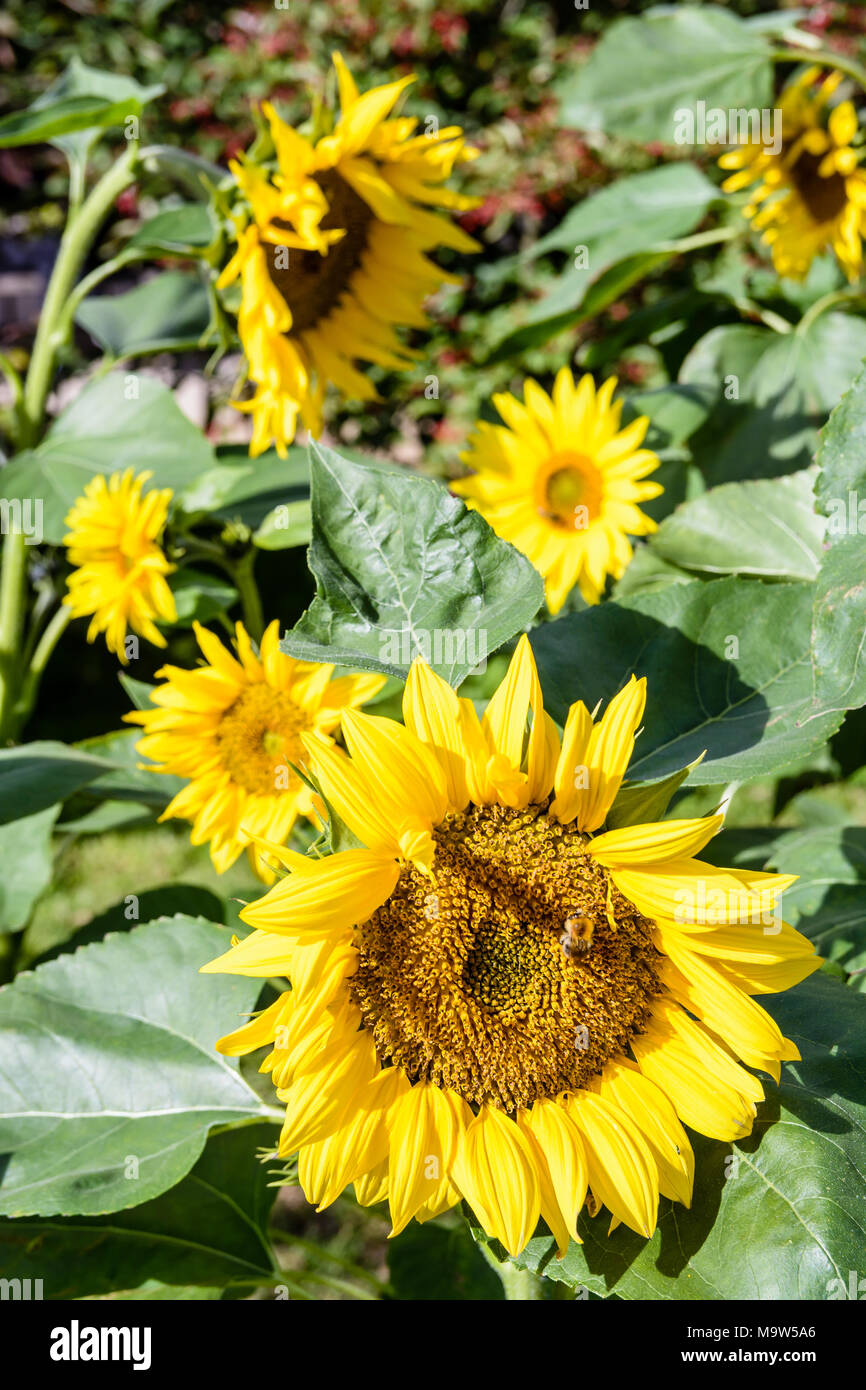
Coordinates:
(728,671)
(839,621)
(781,1219)
(118,98)
(168,313)
(644,71)
(61,117)
(184,230)
(122,421)
(766,527)
(616,236)
(25,866)
(208,1230)
(36,775)
(404,569)
(828,901)
(109,1080)
(244,489)
(769,393)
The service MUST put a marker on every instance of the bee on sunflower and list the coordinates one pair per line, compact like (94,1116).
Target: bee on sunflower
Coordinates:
(812,194)
(119,574)
(233,727)
(439,1041)
(331,253)
(562,482)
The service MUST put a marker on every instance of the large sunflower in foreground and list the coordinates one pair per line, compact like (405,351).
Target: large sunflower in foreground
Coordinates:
(495,999)
(812,194)
(118,579)
(561,481)
(331,253)
(233,727)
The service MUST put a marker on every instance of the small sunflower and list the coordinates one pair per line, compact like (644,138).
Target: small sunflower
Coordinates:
(120,569)
(233,727)
(812,195)
(331,253)
(495,999)
(561,481)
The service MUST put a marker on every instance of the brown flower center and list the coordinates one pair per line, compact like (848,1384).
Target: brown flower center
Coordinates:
(312,285)
(258,738)
(516,972)
(825,198)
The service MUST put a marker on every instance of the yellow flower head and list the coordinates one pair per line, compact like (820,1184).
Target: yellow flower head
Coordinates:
(494,998)
(119,574)
(331,254)
(234,727)
(561,481)
(812,194)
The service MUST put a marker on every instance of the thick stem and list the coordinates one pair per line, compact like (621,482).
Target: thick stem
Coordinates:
(520,1285)
(23,706)
(821,58)
(80,231)
(242,572)
(13,575)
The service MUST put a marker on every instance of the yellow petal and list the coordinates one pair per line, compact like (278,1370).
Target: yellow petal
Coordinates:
(622,1170)
(654,843)
(431,709)
(497,1174)
(342,891)
(611,745)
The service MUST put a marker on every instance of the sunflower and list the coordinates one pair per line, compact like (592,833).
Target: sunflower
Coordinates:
(120,569)
(330,255)
(812,194)
(494,998)
(233,727)
(561,481)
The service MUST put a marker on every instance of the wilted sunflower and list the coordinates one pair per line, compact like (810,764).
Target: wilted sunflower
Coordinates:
(561,481)
(120,570)
(331,253)
(493,998)
(812,194)
(233,727)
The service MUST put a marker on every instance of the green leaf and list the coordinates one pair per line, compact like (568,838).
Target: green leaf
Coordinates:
(45,123)
(36,775)
(121,421)
(728,671)
(288,525)
(127,781)
(828,901)
(245,489)
(199,597)
(25,866)
(769,393)
(839,620)
(766,527)
(119,95)
(207,1230)
(785,1218)
(404,569)
(139,692)
(168,313)
(621,233)
(644,71)
(183,230)
(108,1068)
(432,1263)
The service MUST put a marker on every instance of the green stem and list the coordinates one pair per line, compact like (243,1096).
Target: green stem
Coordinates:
(83,288)
(30,686)
(699,239)
(78,236)
(850,295)
(13,576)
(520,1285)
(822,58)
(242,573)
